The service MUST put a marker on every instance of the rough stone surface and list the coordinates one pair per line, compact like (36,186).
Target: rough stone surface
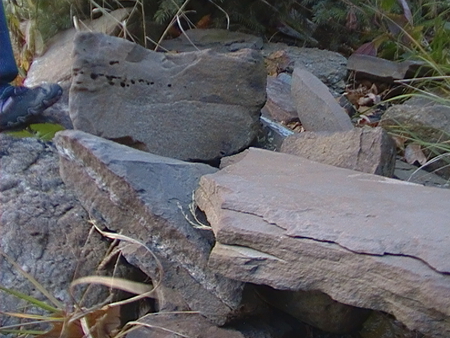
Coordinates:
(221,40)
(55,65)
(43,227)
(192,106)
(329,67)
(316,107)
(365,240)
(143,195)
(279,105)
(370,150)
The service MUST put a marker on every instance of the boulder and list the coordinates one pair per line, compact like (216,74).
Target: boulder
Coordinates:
(196,106)
(365,240)
(55,64)
(147,197)
(316,107)
(44,229)
(370,150)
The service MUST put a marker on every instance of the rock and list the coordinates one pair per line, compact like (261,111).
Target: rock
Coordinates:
(170,325)
(365,240)
(197,106)
(271,135)
(317,309)
(428,124)
(370,150)
(328,66)
(143,196)
(44,229)
(55,65)
(316,107)
(410,173)
(367,66)
(220,40)
(279,105)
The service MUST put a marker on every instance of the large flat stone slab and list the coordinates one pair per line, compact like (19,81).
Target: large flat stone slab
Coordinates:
(365,240)
(142,196)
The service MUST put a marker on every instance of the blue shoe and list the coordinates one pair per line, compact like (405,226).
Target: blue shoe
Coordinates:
(19,104)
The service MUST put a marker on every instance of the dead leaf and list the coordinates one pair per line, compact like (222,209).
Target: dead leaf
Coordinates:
(204,22)
(414,153)
(351,20)
(277,62)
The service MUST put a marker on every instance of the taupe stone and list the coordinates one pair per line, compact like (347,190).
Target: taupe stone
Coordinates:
(192,106)
(370,150)
(143,196)
(365,240)
(316,107)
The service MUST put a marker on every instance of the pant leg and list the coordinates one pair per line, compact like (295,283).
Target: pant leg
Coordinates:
(8,67)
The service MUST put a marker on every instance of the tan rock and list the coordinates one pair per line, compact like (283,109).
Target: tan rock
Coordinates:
(370,150)
(365,240)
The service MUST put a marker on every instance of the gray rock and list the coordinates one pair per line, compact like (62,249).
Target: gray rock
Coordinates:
(55,65)
(367,66)
(192,106)
(220,40)
(329,67)
(365,240)
(279,105)
(43,227)
(430,124)
(271,134)
(370,150)
(143,195)
(316,107)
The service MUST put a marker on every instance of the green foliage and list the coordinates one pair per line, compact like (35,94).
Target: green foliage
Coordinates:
(42,131)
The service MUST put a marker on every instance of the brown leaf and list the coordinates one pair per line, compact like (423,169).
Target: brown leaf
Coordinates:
(414,153)
(369,48)
(204,22)
(351,20)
